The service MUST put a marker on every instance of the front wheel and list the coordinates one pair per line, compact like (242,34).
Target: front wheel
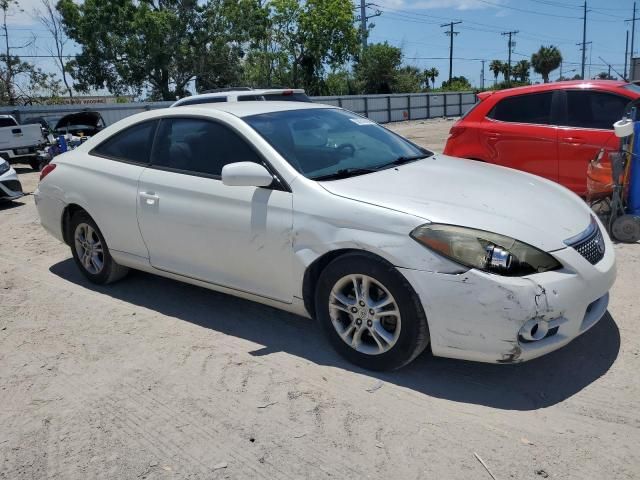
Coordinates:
(370,312)
(90,251)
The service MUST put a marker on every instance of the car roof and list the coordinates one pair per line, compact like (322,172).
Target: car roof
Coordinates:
(238,93)
(245,109)
(610,85)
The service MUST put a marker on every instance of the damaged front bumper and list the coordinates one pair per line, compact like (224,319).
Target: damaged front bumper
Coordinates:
(490,318)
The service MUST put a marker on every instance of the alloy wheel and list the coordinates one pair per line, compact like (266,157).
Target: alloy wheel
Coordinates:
(364,314)
(89,248)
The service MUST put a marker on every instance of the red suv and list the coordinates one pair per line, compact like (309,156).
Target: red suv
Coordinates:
(552,130)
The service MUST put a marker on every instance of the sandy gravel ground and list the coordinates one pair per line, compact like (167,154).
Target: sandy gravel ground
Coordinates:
(151,378)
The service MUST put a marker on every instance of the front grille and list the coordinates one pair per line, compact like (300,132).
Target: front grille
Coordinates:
(13,185)
(590,244)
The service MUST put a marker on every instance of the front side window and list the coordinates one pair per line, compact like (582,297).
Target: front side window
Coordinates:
(199,146)
(323,142)
(534,108)
(132,144)
(590,109)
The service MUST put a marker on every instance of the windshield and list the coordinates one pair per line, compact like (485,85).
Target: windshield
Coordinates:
(633,87)
(320,143)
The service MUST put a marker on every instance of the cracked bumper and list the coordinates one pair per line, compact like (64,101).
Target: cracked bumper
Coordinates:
(478,316)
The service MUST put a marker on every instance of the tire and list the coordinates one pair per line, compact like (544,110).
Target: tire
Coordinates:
(99,267)
(375,349)
(35,164)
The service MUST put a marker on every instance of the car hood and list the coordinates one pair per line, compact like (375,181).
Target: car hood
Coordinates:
(79,118)
(469,193)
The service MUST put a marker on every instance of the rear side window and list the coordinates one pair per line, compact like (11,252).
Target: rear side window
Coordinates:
(249,98)
(132,144)
(199,101)
(534,108)
(589,109)
(7,122)
(287,97)
(199,146)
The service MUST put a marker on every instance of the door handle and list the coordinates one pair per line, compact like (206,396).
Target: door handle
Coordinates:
(149,198)
(574,140)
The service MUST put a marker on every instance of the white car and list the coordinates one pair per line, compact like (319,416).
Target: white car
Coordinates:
(318,211)
(245,95)
(10,186)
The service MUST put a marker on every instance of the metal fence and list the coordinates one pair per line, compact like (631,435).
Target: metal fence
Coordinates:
(380,108)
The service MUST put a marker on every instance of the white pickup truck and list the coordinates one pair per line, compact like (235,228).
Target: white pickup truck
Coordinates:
(20,143)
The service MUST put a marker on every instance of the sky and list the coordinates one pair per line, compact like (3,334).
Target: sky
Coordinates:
(414,25)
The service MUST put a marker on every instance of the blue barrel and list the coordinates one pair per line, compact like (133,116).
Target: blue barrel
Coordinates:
(633,204)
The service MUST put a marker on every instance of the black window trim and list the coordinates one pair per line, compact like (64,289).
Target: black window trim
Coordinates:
(551,111)
(278,182)
(563,118)
(93,152)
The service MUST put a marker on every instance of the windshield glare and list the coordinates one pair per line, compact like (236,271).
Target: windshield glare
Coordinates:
(321,142)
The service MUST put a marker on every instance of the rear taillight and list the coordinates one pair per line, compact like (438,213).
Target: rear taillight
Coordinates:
(50,167)
(456,131)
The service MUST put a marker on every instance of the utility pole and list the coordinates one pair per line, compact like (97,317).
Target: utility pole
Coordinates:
(511,44)
(482,76)
(451,34)
(583,47)
(364,32)
(626,56)
(633,39)
(584,37)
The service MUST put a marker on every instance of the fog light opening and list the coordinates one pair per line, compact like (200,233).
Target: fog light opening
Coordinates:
(534,330)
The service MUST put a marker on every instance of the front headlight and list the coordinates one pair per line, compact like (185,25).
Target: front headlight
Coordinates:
(485,251)
(4,167)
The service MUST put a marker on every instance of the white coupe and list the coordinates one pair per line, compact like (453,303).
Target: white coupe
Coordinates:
(318,211)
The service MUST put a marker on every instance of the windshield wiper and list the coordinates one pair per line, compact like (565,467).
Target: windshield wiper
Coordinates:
(345,173)
(404,159)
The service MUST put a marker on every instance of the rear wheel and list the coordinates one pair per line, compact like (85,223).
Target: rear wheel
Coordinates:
(370,312)
(34,164)
(91,253)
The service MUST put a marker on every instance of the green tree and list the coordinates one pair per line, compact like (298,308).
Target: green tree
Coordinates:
(376,69)
(496,67)
(305,37)
(457,84)
(506,69)
(546,60)
(408,79)
(604,76)
(339,82)
(128,45)
(520,71)
(431,74)
(21,82)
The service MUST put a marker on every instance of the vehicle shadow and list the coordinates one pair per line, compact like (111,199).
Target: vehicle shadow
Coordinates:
(536,384)
(8,205)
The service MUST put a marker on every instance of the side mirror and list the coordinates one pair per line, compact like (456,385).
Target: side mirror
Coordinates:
(246,174)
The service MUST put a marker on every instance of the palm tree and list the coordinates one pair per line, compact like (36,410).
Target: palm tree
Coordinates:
(432,74)
(546,60)
(520,71)
(496,67)
(506,70)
